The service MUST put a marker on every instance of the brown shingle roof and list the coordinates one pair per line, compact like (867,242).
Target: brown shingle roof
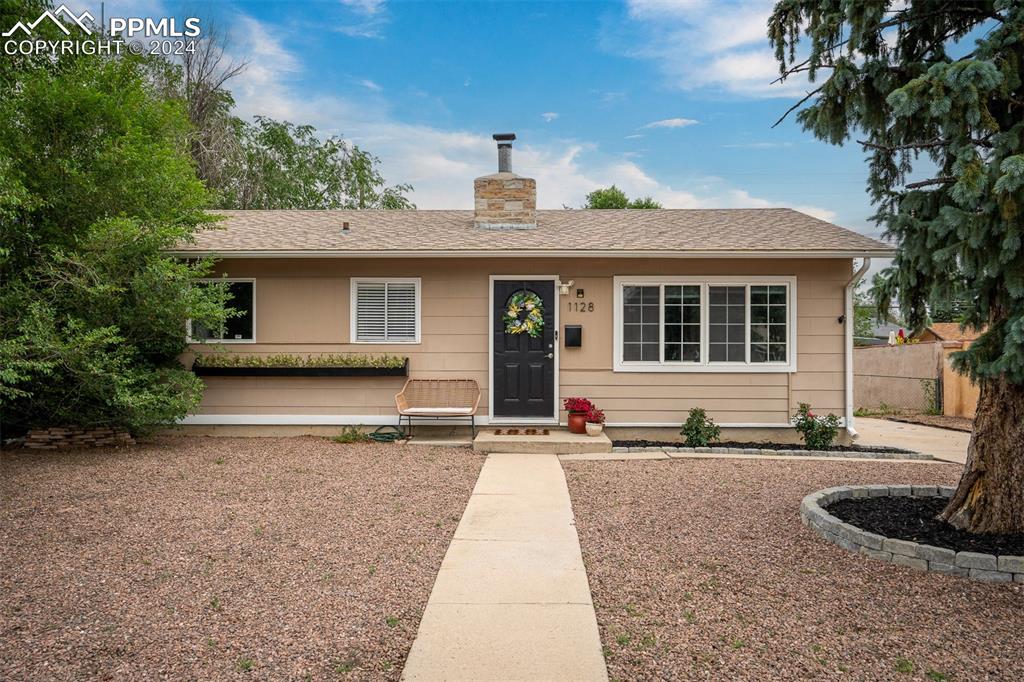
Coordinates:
(420,232)
(950,331)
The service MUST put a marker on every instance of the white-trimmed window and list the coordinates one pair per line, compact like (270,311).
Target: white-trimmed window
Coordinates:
(238,329)
(385,310)
(710,324)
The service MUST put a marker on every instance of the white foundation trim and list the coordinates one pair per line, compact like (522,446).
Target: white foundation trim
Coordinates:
(311,420)
(385,419)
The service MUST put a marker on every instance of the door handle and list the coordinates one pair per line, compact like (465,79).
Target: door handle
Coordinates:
(550,356)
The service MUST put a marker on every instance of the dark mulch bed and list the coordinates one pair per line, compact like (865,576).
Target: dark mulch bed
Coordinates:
(913,518)
(738,444)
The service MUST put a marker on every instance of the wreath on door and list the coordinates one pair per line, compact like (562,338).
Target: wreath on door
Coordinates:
(524,314)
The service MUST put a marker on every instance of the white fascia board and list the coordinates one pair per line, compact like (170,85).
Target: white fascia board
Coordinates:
(881,253)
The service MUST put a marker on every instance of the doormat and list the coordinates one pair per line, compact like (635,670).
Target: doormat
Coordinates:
(522,432)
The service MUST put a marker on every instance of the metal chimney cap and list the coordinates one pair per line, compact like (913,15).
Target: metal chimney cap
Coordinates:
(504,137)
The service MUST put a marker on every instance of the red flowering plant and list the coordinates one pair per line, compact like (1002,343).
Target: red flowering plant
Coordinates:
(577,405)
(595,416)
(818,432)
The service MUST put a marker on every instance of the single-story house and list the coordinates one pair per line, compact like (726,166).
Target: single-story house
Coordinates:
(744,312)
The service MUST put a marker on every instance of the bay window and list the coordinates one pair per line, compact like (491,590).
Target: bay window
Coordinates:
(704,324)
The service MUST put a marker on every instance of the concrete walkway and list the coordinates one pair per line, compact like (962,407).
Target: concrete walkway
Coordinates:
(944,444)
(511,601)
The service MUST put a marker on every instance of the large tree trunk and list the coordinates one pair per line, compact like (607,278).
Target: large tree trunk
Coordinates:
(990,496)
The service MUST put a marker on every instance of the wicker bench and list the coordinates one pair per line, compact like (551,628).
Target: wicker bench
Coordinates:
(438,399)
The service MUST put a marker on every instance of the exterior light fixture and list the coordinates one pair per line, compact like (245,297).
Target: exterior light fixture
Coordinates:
(563,287)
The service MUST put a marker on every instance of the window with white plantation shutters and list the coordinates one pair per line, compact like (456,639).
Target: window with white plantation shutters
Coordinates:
(385,311)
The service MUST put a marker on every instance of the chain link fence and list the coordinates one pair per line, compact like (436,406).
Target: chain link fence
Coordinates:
(898,379)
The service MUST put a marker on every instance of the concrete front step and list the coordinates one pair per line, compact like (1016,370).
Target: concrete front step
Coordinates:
(556,442)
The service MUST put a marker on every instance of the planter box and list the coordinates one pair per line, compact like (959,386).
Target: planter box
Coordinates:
(402,371)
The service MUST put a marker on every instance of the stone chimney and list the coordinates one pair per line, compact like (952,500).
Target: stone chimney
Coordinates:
(504,200)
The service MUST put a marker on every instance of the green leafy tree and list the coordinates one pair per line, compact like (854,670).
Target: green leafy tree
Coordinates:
(95,184)
(933,93)
(281,165)
(613,197)
(865,315)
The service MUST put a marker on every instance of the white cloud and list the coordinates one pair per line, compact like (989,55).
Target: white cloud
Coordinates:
(370,85)
(672,123)
(708,44)
(757,145)
(549,116)
(441,164)
(632,137)
(364,6)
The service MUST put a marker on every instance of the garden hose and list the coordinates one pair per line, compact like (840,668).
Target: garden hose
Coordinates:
(387,434)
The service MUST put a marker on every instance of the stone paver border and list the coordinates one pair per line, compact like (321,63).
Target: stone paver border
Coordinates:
(783,452)
(974,565)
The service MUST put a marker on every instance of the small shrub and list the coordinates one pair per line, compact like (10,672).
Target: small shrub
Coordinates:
(699,429)
(351,434)
(817,432)
(595,416)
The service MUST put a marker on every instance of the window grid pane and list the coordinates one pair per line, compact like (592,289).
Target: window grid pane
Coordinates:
(727,315)
(769,320)
(641,323)
(682,323)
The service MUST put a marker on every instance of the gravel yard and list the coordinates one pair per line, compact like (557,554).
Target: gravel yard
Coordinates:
(213,558)
(701,569)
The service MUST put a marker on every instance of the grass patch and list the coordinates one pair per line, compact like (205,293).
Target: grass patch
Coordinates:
(245,665)
(904,665)
(351,434)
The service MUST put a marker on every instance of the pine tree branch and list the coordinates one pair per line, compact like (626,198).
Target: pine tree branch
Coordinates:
(980,142)
(931,181)
(806,97)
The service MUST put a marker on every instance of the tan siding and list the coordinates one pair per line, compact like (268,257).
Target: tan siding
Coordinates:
(302,306)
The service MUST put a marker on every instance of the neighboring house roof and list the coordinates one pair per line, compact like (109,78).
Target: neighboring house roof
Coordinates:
(882,329)
(767,232)
(950,331)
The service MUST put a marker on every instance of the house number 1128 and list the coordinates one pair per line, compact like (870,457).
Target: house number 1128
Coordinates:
(581,306)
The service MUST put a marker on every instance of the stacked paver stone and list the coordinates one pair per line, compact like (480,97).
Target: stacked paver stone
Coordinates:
(974,565)
(64,437)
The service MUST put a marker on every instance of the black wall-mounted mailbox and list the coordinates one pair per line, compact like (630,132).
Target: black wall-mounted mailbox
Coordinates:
(573,335)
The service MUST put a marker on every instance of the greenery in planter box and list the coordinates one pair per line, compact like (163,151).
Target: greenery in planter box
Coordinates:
(290,360)
(699,429)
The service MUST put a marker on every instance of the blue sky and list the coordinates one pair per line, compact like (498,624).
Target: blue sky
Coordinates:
(668,99)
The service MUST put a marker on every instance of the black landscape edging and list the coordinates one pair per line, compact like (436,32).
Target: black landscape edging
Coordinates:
(202,371)
(736,445)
